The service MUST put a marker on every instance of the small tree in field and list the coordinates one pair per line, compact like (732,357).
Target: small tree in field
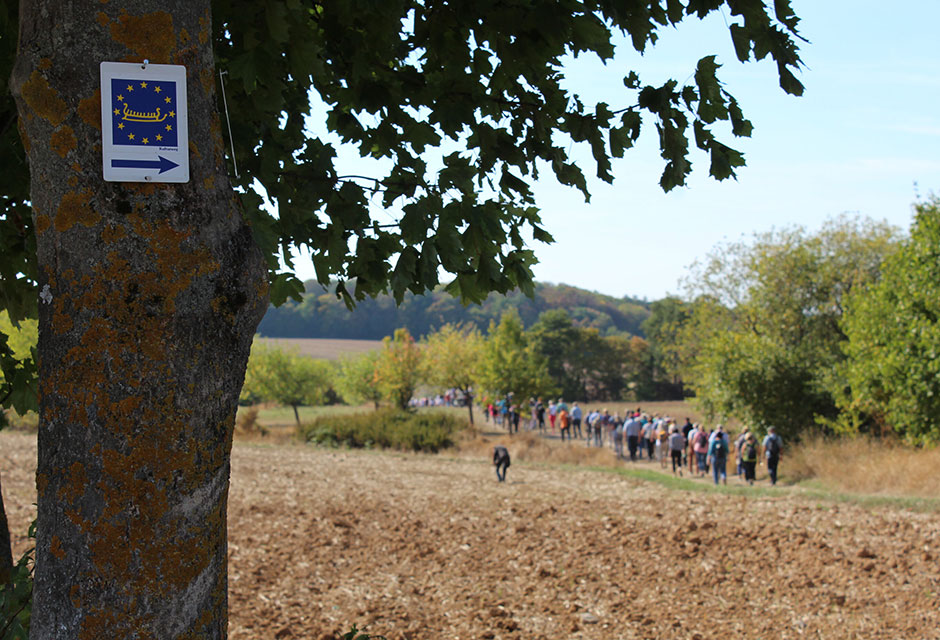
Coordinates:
(286,377)
(511,363)
(398,370)
(357,378)
(452,359)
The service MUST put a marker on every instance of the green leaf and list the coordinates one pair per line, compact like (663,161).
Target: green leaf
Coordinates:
(741,41)
(284,286)
(788,81)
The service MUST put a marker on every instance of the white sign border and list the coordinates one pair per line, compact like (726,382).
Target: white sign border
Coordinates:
(109,151)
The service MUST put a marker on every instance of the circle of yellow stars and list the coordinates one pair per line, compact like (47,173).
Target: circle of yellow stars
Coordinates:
(156,89)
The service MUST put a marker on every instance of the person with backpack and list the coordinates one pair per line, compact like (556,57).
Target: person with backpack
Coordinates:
(748,456)
(718,454)
(501,461)
(773,446)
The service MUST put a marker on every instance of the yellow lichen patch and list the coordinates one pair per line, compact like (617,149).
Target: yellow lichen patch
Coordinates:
(209,183)
(74,209)
(74,596)
(142,188)
(56,548)
(21,128)
(77,168)
(184,37)
(45,64)
(207,79)
(42,483)
(102,19)
(89,110)
(150,36)
(61,319)
(74,487)
(112,233)
(63,140)
(204,26)
(42,224)
(43,100)
(73,181)
(193,149)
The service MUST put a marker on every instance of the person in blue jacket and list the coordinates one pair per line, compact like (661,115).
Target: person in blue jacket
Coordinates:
(718,454)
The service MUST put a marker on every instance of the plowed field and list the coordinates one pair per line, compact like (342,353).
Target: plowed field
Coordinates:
(416,546)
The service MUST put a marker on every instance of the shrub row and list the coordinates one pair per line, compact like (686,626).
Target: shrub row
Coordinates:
(428,431)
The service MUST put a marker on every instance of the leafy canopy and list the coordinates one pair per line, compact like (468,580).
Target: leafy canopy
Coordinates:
(460,106)
(399,368)
(893,330)
(510,363)
(763,341)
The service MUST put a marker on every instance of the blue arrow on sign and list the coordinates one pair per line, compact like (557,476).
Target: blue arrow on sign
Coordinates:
(162,164)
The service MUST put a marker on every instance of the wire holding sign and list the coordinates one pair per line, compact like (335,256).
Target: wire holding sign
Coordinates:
(145,127)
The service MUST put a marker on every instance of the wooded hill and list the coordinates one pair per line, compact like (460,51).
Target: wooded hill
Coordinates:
(322,315)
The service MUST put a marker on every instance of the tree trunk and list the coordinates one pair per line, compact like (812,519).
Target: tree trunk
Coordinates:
(6,548)
(296,415)
(149,297)
(468,395)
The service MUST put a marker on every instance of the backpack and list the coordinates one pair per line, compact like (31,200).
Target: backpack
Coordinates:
(721,449)
(701,439)
(750,452)
(773,447)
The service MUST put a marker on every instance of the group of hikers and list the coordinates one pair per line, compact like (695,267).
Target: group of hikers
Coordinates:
(691,446)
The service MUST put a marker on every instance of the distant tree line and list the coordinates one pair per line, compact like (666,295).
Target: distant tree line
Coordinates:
(322,315)
(553,357)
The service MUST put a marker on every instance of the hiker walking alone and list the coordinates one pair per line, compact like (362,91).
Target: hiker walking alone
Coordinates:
(773,446)
(500,461)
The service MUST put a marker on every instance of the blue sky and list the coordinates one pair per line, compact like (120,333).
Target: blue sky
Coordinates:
(863,139)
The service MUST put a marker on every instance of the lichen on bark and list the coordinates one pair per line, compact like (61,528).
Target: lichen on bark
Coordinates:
(156,291)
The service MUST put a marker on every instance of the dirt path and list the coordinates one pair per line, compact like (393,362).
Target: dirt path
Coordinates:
(432,547)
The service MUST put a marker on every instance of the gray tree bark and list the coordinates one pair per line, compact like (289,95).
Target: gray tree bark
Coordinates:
(149,297)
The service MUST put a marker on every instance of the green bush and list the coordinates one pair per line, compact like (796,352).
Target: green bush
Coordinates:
(387,429)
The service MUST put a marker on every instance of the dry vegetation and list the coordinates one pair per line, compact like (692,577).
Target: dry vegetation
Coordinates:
(863,465)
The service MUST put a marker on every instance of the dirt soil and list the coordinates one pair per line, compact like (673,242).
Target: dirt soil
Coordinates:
(415,546)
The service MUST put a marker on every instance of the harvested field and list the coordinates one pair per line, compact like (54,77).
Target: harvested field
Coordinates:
(418,546)
(326,349)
